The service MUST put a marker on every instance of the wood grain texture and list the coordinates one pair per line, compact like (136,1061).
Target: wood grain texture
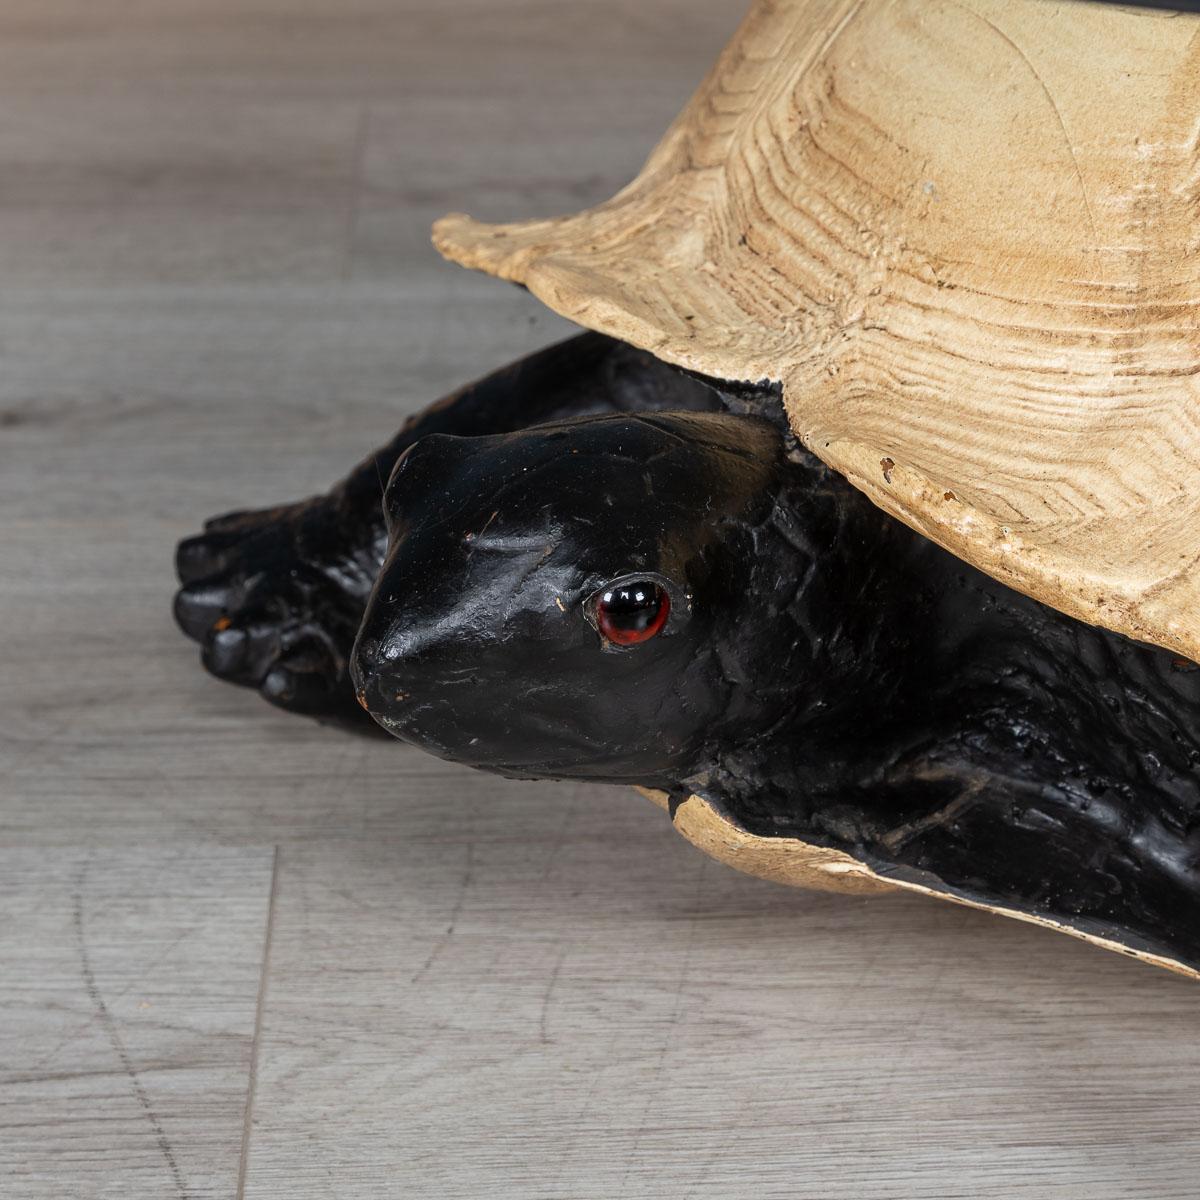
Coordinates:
(475,987)
(962,235)
(127,1012)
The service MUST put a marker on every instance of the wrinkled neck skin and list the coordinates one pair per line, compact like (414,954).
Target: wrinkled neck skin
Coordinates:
(814,665)
(940,726)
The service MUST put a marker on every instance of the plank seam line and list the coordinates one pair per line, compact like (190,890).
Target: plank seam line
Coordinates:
(256,1040)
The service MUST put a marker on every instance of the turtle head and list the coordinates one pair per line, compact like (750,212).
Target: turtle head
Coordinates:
(561,602)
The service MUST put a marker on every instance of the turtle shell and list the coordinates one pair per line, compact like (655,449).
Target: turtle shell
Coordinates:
(962,236)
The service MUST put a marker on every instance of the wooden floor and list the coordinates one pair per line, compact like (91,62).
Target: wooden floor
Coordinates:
(242,955)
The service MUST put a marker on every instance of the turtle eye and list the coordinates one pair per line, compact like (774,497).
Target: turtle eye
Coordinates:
(632,612)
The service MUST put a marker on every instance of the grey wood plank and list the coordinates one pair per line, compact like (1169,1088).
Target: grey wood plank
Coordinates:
(580,51)
(127,1011)
(122,188)
(587,1008)
(173,402)
(194,142)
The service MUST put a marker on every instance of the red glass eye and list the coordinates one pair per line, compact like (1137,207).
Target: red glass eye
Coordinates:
(633,612)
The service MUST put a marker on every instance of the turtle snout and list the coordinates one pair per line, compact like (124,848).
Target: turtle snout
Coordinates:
(427,697)
(407,685)
(381,682)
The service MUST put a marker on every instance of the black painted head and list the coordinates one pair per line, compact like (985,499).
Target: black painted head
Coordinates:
(554,602)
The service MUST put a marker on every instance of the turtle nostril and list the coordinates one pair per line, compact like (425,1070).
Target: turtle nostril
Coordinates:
(364,670)
(366,648)
(372,691)
(379,683)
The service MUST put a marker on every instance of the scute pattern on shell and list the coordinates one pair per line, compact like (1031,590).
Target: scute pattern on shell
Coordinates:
(962,234)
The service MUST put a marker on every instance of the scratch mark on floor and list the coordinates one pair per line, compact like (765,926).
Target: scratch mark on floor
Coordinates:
(47,1058)
(543,1017)
(442,942)
(112,1030)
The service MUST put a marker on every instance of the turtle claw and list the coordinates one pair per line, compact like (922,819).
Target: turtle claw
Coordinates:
(303,680)
(275,598)
(203,604)
(206,553)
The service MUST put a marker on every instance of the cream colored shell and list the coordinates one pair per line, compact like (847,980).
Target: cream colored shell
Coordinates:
(964,236)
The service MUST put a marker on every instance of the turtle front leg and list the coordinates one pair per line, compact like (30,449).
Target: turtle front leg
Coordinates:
(275,596)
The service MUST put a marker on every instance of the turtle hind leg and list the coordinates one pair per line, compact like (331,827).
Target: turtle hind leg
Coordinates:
(275,598)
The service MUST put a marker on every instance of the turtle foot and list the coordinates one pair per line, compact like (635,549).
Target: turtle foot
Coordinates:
(275,598)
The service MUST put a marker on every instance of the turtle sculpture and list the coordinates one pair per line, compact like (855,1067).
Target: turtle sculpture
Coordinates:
(861,529)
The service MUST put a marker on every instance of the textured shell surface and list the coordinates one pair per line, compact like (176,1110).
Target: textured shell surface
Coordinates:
(962,235)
